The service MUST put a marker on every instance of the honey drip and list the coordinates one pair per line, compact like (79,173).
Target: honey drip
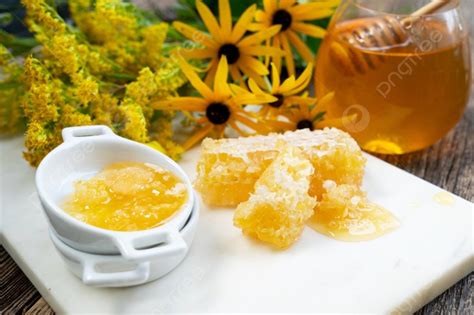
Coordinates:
(127,196)
(344,213)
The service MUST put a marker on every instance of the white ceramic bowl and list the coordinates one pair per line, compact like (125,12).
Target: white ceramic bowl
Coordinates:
(87,150)
(114,270)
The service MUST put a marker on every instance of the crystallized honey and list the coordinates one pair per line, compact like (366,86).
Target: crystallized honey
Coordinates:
(280,205)
(127,196)
(229,168)
(344,213)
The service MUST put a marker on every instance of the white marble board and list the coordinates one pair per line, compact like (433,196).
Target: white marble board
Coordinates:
(226,272)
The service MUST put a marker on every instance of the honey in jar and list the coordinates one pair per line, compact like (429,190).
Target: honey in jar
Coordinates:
(127,196)
(406,96)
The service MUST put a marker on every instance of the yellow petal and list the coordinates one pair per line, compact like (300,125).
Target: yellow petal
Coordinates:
(310,11)
(188,103)
(195,80)
(252,74)
(225,18)
(254,87)
(220,82)
(198,136)
(305,77)
(284,4)
(262,17)
(290,64)
(322,104)
(236,75)
(300,46)
(269,5)
(259,37)
(238,89)
(288,85)
(211,73)
(253,99)
(254,64)
(242,24)
(239,130)
(279,125)
(194,34)
(275,79)
(303,101)
(309,29)
(277,59)
(255,27)
(258,127)
(197,53)
(209,20)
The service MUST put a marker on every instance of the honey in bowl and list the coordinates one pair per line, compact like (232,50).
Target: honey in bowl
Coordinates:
(406,96)
(127,196)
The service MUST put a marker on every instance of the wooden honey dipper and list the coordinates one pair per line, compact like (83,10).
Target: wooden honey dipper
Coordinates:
(384,31)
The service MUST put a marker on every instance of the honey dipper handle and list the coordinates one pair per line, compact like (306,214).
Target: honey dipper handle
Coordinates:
(429,8)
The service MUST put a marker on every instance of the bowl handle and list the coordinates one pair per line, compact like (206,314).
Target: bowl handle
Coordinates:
(90,276)
(80,132)
(173,244)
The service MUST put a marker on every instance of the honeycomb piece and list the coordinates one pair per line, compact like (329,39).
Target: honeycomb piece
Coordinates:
(228,168)
(280,205)
(345,213)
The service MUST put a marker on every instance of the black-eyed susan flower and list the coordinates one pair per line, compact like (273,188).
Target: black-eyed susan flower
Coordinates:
(287,93)
(311,117)
(304,116)
(217,107)
(224,39)
(292,17)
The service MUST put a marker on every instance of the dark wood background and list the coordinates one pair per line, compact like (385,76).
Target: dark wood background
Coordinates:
(448,164)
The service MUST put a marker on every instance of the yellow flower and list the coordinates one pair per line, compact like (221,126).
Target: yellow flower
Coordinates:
(218,107)
(134,125)
(311,117)
(39,140)
(286,93)
(12,91)
(291,16)
(153,38)
(304,116)
(229,40)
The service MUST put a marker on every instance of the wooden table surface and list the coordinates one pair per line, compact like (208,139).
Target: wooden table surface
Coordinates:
(448,164)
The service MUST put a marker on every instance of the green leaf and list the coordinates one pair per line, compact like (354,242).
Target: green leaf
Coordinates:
(319,116)
(10,85)
(5,18)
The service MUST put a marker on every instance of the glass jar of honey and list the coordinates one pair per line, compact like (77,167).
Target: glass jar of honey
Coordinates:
(403,78)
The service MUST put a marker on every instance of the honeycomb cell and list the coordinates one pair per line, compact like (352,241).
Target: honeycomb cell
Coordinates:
(280,205)
(228,168)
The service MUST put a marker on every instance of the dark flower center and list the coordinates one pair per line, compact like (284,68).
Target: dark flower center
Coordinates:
(218,113)
(305,124)
(283,18)
(230,51)
(278,102)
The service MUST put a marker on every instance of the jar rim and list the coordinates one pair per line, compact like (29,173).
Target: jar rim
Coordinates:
(453,5)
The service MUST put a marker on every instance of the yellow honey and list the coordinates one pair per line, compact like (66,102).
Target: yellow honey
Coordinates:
(280,205)
(127,196)
(344,213)
(406,96)
(228,168)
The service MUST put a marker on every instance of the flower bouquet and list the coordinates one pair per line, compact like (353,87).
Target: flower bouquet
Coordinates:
(217,70)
